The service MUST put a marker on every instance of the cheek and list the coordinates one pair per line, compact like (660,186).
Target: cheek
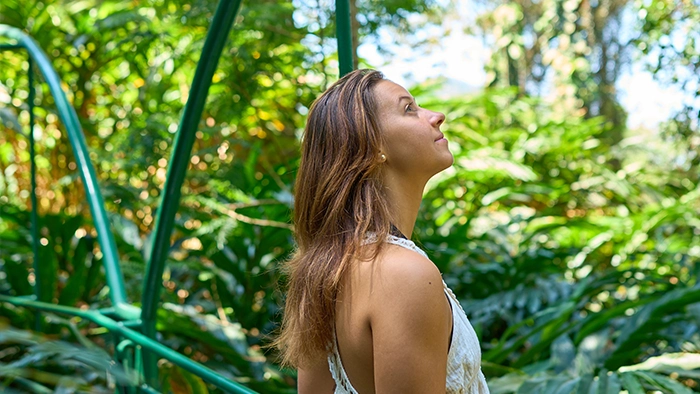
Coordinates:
(399,133)
(408,150)
(400,142)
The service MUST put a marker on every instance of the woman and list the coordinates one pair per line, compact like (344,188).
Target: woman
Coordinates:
(366,310)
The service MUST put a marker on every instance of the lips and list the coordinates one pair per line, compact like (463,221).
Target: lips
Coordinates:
(441,137)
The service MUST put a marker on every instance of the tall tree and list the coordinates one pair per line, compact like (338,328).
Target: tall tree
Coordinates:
(574,50)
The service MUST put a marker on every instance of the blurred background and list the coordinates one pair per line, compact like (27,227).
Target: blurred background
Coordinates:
(568,226)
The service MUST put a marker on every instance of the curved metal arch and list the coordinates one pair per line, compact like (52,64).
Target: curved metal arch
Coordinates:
(179,159)
(69,117)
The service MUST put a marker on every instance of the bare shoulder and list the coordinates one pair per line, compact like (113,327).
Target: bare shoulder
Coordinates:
(405,281)
(398,268)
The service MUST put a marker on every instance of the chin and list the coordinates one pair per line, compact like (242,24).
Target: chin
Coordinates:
(444,164)
(448,162)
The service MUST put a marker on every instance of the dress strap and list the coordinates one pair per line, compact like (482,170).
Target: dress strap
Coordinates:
(335,365)
(406,243)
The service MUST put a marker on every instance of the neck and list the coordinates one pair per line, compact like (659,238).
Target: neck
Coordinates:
(404,198)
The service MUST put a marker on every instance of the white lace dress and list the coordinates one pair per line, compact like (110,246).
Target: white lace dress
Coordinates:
(464,374)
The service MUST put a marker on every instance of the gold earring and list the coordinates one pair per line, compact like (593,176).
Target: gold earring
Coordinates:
(382,157)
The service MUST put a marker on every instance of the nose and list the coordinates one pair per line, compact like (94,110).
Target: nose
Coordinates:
(437,118)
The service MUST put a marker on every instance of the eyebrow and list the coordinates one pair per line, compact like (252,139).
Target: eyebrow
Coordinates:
(405,98)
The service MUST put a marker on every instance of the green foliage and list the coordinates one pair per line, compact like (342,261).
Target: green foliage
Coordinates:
(33,363)
(576,259)
(563,264)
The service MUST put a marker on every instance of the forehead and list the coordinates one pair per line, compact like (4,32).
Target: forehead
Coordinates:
(388,93)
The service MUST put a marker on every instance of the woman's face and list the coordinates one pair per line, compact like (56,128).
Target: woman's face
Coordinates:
(413,143)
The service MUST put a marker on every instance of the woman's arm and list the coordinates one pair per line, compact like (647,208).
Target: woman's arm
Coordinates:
(411,323)
(315,379)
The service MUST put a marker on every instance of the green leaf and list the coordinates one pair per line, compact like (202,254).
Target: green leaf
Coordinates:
(184,382)
(673,300)
(631,383)
(563,353)
(533,386)
(613,384)
(9,119)
(662,382)
(47,272)
(75,287)
(127,230)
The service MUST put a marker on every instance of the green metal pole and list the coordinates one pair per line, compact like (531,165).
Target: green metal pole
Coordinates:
(148,390)
(67,113)
(124,353)
(180,157)
(344,35)
(35,206)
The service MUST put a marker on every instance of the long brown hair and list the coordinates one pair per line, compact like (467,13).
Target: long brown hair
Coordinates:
(339,200)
